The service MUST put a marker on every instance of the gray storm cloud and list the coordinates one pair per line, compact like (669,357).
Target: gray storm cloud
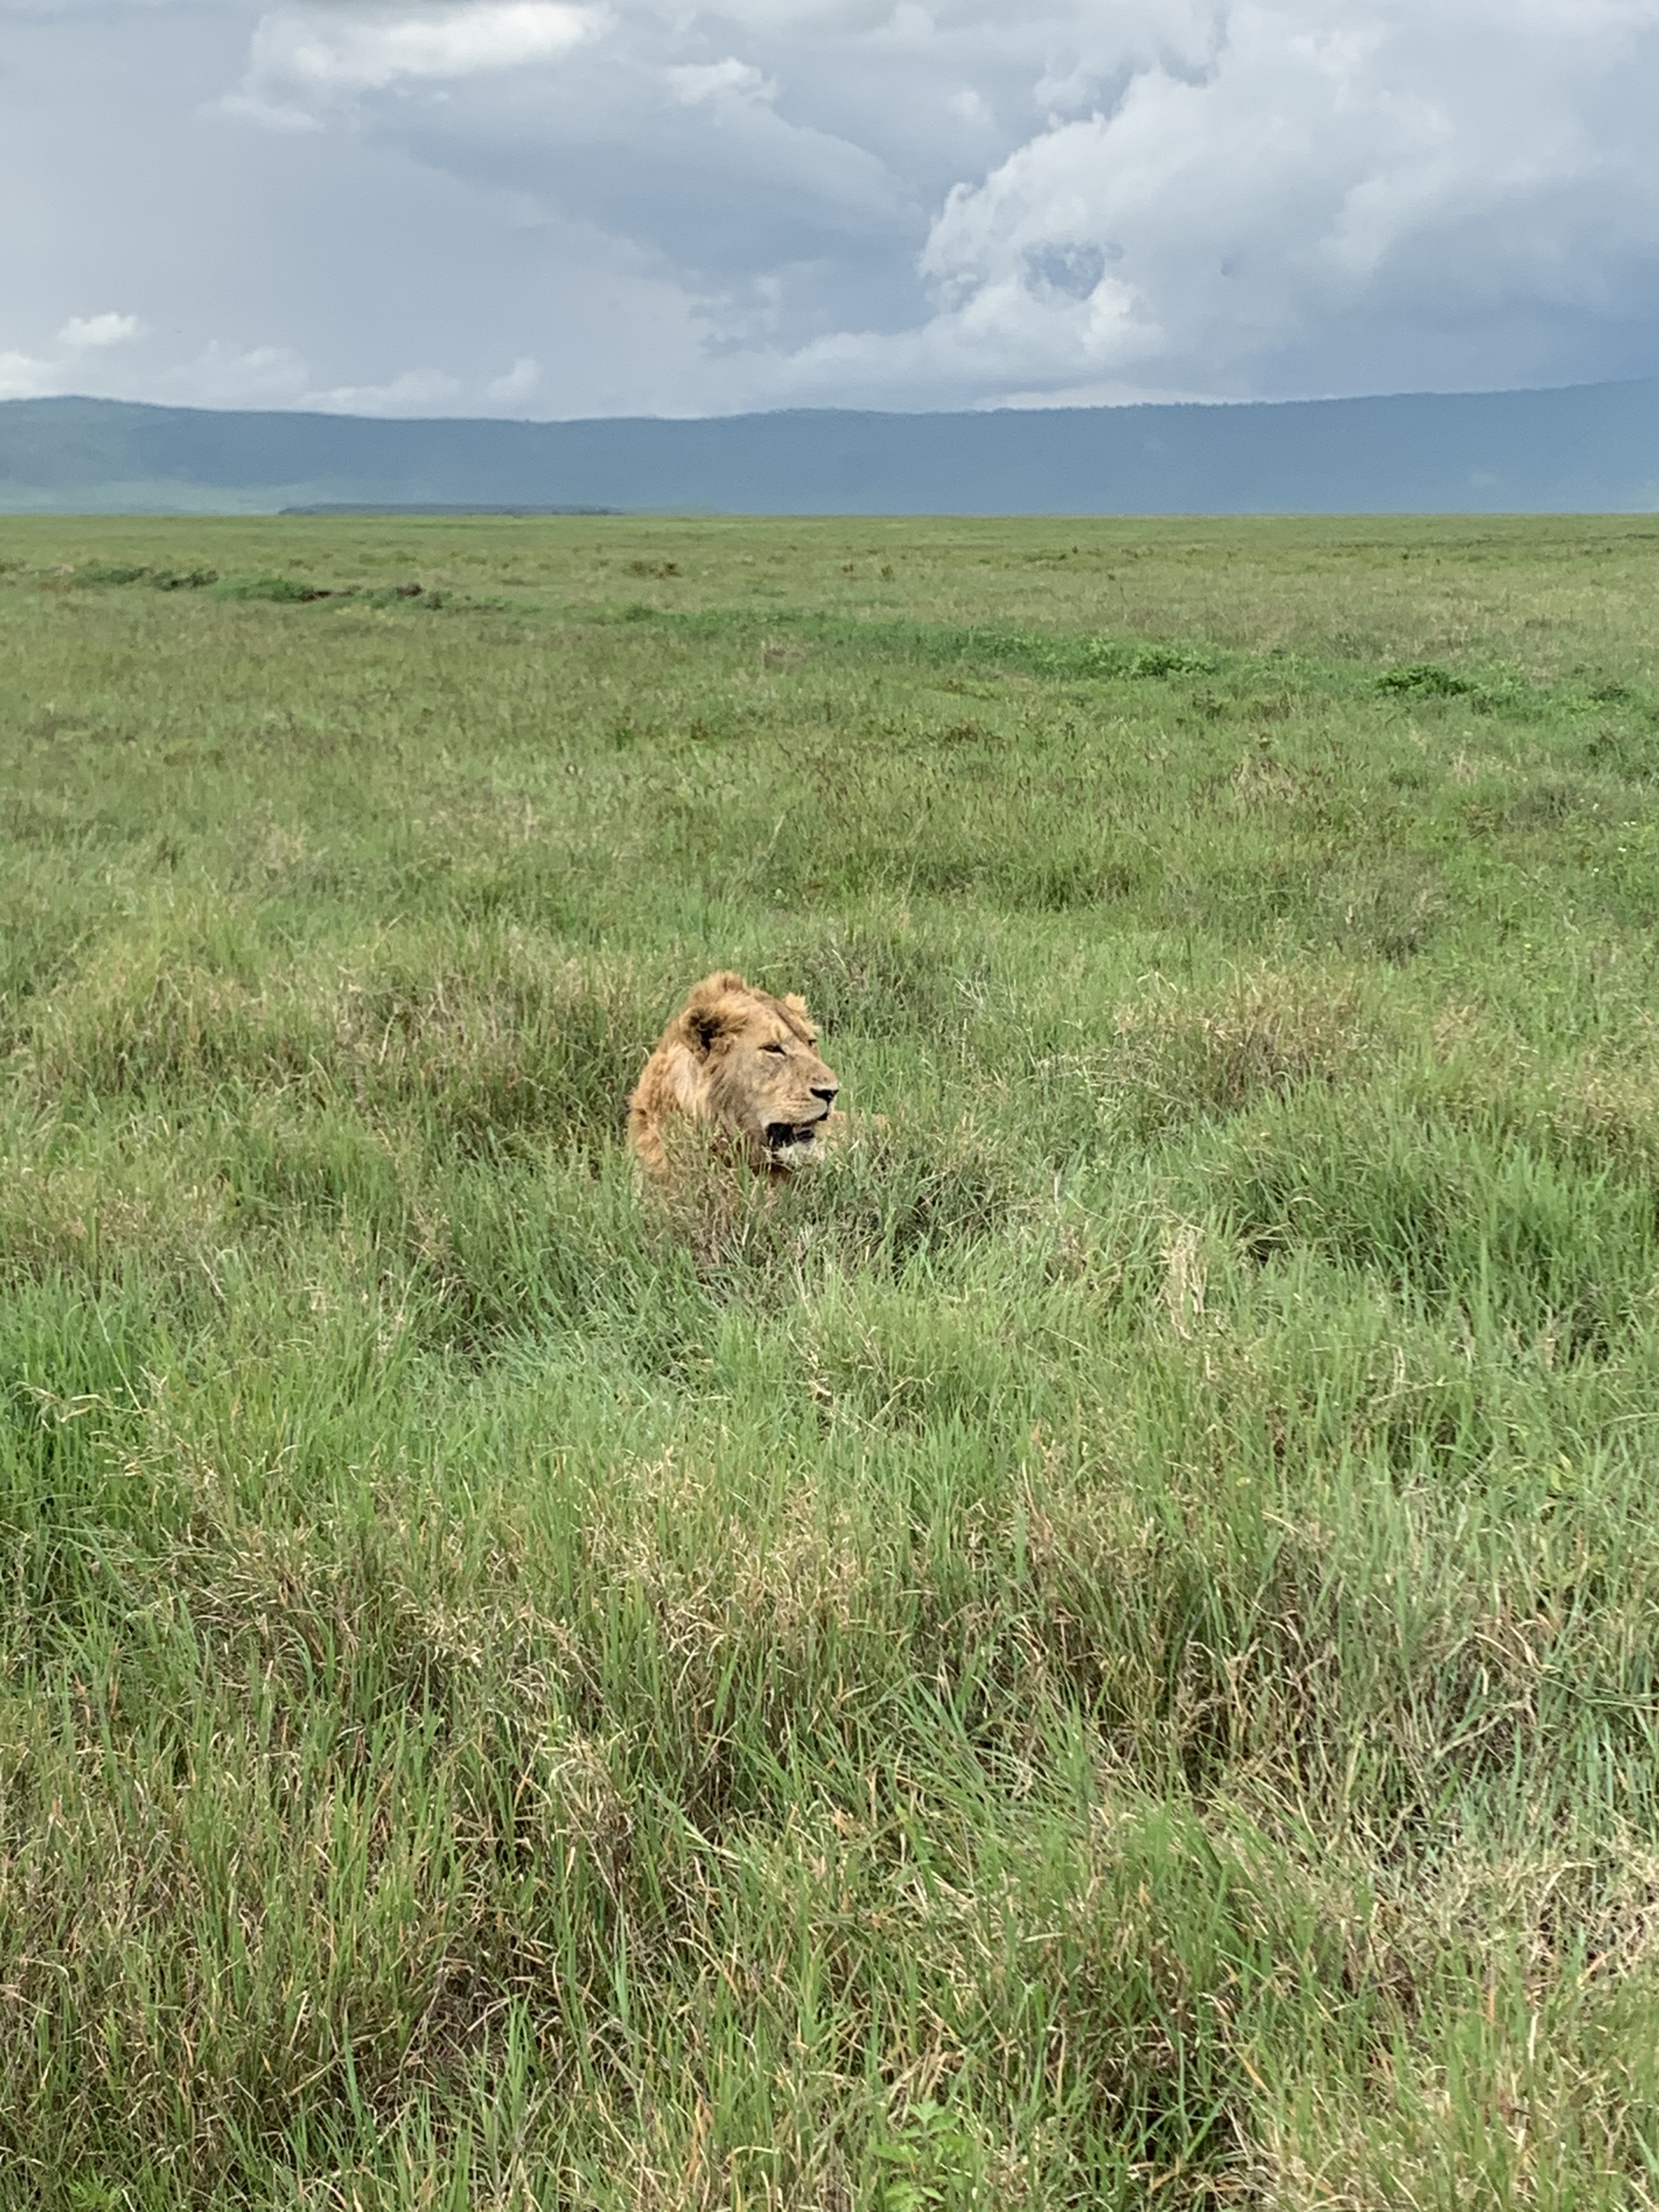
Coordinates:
(538,206)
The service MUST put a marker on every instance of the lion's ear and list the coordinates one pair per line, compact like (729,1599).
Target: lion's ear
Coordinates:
(708,1015)
(705,1026)
(795,1003)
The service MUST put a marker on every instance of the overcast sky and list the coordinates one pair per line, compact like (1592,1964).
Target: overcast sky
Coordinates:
(549,207)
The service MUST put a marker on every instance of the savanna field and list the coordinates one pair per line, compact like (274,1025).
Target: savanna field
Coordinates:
(1099,1650)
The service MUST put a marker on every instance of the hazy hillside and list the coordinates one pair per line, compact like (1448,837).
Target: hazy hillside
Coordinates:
(1587,447)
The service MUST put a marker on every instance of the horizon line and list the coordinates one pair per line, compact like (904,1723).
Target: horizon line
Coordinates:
(889,414)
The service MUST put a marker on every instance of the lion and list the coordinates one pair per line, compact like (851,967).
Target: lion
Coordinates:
(740,1065)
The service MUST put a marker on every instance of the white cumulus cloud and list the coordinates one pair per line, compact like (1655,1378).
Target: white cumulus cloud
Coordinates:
(89,333)
(302,56)
(1341,195)
(518,383)
(223,375)
(697,81)
(414,392)
(25,376)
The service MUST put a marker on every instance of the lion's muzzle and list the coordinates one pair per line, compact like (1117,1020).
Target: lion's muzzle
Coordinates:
(789,1142)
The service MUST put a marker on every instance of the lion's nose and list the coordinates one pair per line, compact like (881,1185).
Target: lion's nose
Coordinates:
(826,1091)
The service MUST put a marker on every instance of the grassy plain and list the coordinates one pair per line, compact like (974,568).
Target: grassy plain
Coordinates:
(1103,1650)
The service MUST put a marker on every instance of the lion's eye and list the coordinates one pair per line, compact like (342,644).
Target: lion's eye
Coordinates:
(777,1048)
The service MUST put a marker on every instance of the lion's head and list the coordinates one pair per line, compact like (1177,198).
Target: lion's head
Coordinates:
(745,1063)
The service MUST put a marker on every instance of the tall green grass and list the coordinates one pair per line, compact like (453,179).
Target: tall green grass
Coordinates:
(1099,1650)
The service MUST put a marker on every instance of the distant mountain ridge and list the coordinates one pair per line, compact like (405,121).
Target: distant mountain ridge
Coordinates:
(1580,449)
